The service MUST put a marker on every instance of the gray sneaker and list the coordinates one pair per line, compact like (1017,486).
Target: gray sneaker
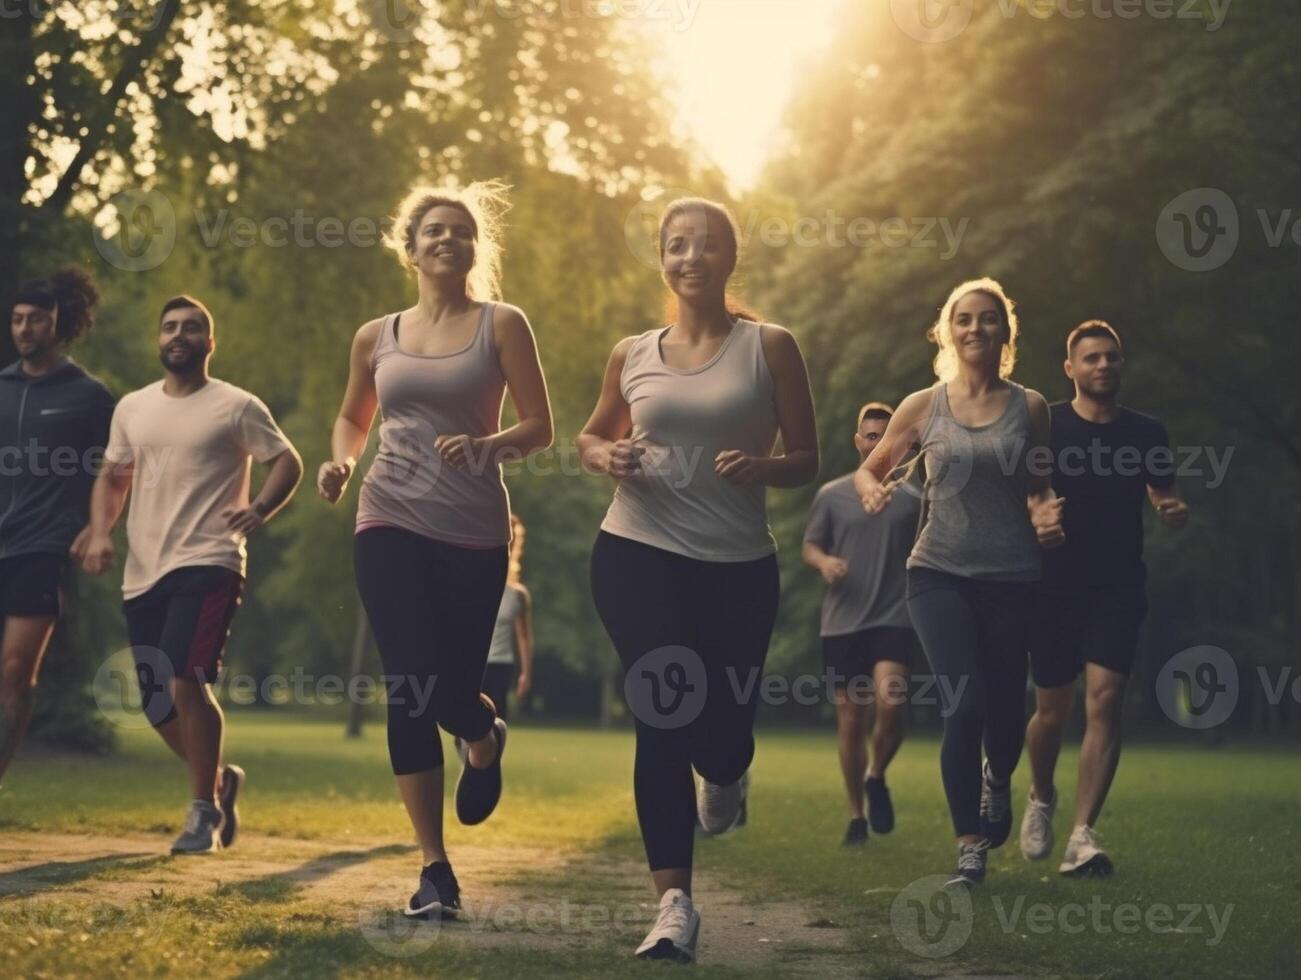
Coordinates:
(202,830)
(719,807)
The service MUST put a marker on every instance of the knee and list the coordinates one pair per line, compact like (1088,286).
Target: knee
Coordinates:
(850,719)
(1052,716)
(889,715)
(16,677)
(1103,705)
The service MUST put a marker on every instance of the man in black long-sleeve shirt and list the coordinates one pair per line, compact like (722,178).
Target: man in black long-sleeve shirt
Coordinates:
(54,423)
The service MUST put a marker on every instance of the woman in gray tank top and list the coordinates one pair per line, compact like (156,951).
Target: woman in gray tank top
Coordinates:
(990,507)
(433,515)
(684,574)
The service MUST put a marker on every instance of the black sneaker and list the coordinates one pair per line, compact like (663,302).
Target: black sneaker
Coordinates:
(478,790)
(995,809)
(972,859)
(232,780)
(879,808)
(856,832)
(438,895)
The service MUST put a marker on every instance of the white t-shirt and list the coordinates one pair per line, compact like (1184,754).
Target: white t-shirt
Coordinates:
(192,463)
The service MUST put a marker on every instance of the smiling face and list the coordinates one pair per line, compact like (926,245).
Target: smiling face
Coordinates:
(184,340)
(34,330)
(697,255)
(444,242)
(1096,365)
(978,330)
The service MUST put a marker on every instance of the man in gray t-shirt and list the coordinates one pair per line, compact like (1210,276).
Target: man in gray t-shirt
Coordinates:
(867,638)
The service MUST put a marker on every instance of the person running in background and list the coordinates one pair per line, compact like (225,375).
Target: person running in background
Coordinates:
(433,517)
(512,637)
(684,571)
(867,638)
(182,449)
(1092,600)
(972,570)
(54,420)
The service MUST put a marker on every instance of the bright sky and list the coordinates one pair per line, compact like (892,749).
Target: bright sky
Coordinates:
(735,63)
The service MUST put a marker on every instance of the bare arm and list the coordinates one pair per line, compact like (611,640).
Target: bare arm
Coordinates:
(94,548)
(1170,507)
(348,439)
(902,432)
(796,422)
(604,445)
(1042,501)
(286,470)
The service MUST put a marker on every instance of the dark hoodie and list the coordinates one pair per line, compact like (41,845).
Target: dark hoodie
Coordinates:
(52,435)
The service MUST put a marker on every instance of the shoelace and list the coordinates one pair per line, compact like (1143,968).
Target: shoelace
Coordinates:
(672,917)
(972,856)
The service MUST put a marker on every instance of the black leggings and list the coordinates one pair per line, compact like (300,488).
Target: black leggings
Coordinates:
(496,684)
(432,607)
(974,633)
(705,626)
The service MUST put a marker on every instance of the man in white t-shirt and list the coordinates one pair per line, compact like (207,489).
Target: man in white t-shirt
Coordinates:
(182,448)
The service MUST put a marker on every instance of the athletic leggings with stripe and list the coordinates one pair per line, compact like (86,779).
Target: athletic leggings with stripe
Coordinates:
(692,637)
(974,633)
(432,607)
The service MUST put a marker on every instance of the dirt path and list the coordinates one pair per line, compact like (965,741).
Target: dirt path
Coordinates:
(513,897)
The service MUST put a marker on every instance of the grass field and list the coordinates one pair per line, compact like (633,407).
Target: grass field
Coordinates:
(1206,843)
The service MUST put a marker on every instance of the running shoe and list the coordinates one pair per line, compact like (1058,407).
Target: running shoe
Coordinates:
(1037,828)
(479,790)
(232,781)
(972,859)
(995,809)
(676,929)
(880,811)
(1083,857)
(439,895)
(202,831)
(719,807)
(856,832)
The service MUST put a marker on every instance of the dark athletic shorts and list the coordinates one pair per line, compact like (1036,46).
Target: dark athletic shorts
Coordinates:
(180,625)
(32,584)
(854,655)
(1071,628)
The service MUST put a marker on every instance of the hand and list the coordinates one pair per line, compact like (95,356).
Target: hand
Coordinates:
(244,521)
(1046,516)
(460,451)
(877,497)
(97,554)
(78,547)
(1173,512)
(833,570)
(332,480)
(523,685)
(737,468)
(625,459)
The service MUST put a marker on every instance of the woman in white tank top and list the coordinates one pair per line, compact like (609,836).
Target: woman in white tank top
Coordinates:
(433,516)
(684,573)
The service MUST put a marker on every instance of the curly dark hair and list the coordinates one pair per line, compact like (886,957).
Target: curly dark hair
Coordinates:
(71,294)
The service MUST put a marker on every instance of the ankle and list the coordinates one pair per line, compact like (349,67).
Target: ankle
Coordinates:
(1039,797)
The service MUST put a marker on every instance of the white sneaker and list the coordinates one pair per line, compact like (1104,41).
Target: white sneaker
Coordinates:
(719,807)
(1037,828)
(1083,857)
(677,927)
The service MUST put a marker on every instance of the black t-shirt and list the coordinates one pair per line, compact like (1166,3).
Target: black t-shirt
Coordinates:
(1103,470)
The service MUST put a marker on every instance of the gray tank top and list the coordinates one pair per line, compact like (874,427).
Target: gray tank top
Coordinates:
(503,647)
(422,397)
(977,524)
(683,419)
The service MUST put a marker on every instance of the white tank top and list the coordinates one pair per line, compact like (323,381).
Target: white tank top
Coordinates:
(683,418)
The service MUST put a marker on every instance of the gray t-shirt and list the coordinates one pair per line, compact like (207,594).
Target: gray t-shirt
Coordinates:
(874,545)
